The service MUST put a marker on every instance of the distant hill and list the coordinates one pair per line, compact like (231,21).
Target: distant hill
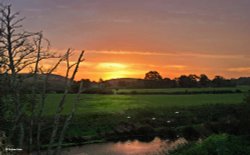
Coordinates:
(55,82)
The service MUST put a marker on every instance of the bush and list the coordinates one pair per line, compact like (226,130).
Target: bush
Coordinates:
(216,145)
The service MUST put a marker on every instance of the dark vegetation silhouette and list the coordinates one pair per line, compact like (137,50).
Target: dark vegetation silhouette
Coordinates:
(153,75)
(22,112)
(56,83)
(153,80)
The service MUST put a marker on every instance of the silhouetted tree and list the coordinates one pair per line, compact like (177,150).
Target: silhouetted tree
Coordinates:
(188,81)
(243,81)
(101,83)
(168,83)
(18,51)
(22,51)
(152,79)
(218,81)
(153,75)
(204,81)
(86,84)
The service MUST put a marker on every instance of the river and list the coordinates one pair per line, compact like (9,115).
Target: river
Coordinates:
(135,147)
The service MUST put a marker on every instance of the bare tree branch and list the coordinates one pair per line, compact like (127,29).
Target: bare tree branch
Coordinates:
(68,83)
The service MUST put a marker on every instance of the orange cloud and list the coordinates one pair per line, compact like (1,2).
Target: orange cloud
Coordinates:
(172,54)
(239,69)
(119,64)
(179,67)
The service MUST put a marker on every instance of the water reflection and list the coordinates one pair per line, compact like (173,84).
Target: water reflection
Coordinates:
(157,146)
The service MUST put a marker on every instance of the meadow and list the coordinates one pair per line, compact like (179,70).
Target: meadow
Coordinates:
(95,103)
(117,117)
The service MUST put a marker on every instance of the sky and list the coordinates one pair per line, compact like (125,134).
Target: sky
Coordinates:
(127,38)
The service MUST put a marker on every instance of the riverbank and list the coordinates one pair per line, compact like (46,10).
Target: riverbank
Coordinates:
(114,118)
(192,123)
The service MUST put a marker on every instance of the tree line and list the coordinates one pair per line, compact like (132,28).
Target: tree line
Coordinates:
(153,79)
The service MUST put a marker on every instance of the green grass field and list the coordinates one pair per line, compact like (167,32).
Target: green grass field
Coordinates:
(120,103)
(103,113)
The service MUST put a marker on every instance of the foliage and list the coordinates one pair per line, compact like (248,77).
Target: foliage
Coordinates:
(153,75)
(154,80)
(247,99)
(217,145)
(188,81)
(204,80)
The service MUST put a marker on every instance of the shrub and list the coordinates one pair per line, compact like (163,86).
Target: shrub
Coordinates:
(216,145)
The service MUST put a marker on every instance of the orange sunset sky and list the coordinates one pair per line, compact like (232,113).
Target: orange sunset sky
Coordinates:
(127,38)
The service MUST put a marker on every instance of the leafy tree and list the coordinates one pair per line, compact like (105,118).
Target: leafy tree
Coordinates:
(168,83)
(188,81)
(86,84)
(204,81)
(153,75)
(218,81)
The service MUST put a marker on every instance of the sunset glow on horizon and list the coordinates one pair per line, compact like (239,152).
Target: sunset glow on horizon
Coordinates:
(126,39)
(123,64)
(124,77)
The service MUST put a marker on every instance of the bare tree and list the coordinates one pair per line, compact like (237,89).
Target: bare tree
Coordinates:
(20,51)
(68,83)
(43,96)
(17,53)
(16,47)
